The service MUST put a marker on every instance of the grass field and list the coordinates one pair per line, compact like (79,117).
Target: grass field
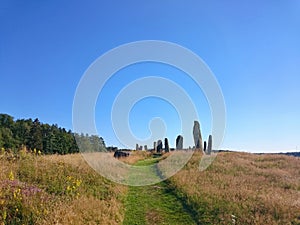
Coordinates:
(238,188)
(56,190)
(242,188)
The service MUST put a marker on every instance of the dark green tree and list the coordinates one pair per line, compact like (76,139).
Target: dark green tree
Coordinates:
(36,136)
(50,139)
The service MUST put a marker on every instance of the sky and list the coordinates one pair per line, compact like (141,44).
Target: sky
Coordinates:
(252,48)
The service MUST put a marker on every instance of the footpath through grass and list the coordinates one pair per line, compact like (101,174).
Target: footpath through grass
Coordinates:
(155,204)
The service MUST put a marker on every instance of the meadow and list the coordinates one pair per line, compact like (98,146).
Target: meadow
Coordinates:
(242,188)
(238,188)
(55,189)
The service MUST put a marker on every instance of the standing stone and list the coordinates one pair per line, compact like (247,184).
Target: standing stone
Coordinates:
(154,146)
(167,148)
(197,136)
(145,147)
(204,148)
(159,146)
(141,148)
(179,142)
(209,145)
(137,147)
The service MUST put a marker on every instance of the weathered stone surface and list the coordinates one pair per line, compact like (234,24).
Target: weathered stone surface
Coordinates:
(197,136)
(204,148)
(209,145)
(154,146)
(119,154)
(145,147)
(179,142)
(141,148)
(167,148)
(137,147)
(159,146)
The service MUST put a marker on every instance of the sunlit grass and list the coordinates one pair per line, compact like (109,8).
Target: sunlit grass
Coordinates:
(37,189)
(246,188)
(238,188)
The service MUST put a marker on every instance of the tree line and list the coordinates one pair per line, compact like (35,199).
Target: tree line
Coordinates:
(49,139)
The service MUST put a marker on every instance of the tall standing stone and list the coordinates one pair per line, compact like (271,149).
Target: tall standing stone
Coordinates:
(145,147)
(204,148)
(159,146)
(209,145)
(167,148)
(179,142)
(197,136)
(154,146)
(137,147)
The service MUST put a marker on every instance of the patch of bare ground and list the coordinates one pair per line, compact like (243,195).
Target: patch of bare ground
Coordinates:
(153,217)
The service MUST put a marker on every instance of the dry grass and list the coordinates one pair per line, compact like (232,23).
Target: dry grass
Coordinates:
(75,193)
(238,188)
(85,210)
(135,156)
(243,188)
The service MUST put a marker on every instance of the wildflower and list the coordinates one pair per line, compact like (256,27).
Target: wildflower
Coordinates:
(11,176)
(39,152)
(4,215)
(34,151)
(78,182)
(233,219)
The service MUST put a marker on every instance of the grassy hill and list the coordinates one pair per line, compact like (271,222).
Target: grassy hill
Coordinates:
(238,188)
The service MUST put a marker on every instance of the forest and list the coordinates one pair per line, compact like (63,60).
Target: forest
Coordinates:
(43,137)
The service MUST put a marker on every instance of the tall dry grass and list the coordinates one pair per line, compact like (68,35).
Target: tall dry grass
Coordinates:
(136,156)
(74,193)
(242,188)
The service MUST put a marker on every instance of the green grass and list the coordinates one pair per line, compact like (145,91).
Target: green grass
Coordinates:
(155,204)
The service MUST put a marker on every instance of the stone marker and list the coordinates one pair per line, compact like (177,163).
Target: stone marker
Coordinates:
(204,148)
(159,146)
(137,147)
(209,145)
(179,142)
(197,136)
(154,146)
(167,148)
(141,148)
(145,147)
(119,154)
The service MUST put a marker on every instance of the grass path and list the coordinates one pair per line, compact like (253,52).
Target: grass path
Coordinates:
(155,204)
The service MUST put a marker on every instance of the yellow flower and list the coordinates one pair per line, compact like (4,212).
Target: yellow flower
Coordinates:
(78,183)
(11,176)
(4,215)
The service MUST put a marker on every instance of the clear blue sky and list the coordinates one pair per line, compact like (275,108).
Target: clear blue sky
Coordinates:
(252,47)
